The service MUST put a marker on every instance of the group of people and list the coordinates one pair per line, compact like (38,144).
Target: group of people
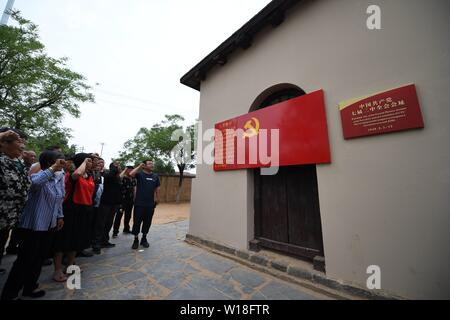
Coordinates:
(62,205)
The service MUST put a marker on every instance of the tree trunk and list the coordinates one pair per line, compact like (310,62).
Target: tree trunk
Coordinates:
(181,168)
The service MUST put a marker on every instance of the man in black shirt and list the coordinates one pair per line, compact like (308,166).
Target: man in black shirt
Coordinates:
(147,197)
(128,185)
(109,203)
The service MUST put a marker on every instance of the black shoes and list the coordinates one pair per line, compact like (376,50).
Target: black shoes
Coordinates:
(96,250)
(115,234)
(127,231)
(84,254)
(107,245)
(135,245)
(34,294)
(144,242)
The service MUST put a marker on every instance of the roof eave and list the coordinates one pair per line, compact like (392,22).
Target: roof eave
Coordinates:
(273,14)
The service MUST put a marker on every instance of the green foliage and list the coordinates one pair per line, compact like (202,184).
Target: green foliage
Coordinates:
(52,137)
(156,143)
(36,90)
(163,167)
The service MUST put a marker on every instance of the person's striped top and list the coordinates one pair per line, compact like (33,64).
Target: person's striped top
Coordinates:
(45,198)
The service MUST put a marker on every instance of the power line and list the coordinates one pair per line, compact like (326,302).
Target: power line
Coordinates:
(149,108)
(109,93)
(127,106)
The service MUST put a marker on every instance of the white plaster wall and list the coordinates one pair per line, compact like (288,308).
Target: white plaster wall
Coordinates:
(385,199)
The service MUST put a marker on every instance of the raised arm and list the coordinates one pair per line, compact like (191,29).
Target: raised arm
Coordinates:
(122,174)
(81,169)
(136,170)
(35,168)
(42,177)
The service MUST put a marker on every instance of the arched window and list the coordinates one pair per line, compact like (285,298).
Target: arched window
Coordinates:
(276,94)
(281,96)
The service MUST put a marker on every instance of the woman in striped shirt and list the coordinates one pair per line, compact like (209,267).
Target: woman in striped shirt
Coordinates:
(41,216)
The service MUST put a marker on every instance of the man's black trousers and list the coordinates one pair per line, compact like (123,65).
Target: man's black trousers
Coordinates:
(126,210)
(142,216)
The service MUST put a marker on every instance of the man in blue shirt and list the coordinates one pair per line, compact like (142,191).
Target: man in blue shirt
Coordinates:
(146,199)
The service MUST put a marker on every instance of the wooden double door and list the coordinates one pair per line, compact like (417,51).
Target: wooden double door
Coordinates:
(287,212)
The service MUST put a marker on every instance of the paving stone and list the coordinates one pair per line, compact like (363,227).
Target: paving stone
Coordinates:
(190,270)
(149,255)
(73,295)
(170,269)
(247,290)
(192,292)
(224,287)
(258,296)
(172,282)
(136,290)
(100,284)
(101,271)
(275,290)
(184,293)
(184,251)
(163,267)
(122,294)
(227,276)
(145,289)
(247,278)
(213,263)
(130,276)
(124,262)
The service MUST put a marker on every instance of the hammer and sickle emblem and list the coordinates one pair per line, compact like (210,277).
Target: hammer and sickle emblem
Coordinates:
(252,128)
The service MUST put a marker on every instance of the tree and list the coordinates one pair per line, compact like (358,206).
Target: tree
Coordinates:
(183,154)
(53,136)
(168,143)
(36,90)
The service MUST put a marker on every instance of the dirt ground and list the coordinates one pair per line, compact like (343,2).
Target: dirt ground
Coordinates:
(171,212)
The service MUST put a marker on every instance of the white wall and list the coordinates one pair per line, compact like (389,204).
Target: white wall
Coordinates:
(384,199)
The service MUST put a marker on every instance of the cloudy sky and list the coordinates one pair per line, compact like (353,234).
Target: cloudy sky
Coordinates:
(137,51)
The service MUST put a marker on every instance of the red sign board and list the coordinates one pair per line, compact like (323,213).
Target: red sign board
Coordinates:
(390,111)
(293,132)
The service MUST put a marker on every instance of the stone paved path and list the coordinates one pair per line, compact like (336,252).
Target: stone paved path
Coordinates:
(169,269)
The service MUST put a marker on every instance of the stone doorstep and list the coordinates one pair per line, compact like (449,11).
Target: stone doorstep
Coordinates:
(292,270)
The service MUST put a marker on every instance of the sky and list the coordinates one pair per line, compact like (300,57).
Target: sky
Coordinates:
(133,53)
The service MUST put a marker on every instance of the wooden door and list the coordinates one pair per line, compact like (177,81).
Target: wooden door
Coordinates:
(287,213)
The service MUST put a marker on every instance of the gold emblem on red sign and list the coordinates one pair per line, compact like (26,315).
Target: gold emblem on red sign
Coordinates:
(251,128)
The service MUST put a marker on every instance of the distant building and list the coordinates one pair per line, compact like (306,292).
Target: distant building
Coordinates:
(382,200)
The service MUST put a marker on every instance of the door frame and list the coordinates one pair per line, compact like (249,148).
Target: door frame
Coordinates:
(270,96)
